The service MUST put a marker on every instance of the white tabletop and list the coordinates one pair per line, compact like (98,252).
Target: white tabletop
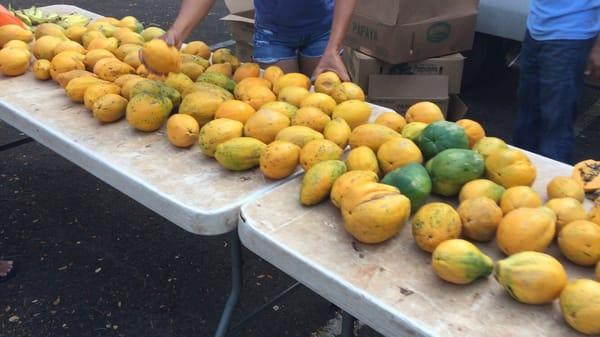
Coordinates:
(391,286)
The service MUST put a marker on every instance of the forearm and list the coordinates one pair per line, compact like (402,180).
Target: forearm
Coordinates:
(341,19)
(190,15)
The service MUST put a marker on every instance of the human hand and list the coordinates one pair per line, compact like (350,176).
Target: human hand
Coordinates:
(593,65)
(332,61)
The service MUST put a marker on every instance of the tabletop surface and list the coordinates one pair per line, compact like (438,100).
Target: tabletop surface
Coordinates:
(391,286)
(184,186)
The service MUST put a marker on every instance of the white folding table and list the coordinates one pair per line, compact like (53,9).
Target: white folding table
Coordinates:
(391,286)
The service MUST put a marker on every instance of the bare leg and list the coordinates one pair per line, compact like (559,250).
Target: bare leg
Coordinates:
(5,267)
(288,66)
(308,65)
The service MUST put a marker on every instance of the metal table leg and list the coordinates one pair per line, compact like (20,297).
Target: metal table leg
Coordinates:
(16,143)
(347,325)
(236,284)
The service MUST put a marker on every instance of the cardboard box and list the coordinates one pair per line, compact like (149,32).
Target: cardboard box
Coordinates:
(398,31)
(241,19)
(399,92)
(361,66)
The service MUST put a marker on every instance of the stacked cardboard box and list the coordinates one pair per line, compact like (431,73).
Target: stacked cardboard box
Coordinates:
(398,51)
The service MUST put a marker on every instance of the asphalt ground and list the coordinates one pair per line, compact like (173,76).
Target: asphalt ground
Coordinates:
(93,262)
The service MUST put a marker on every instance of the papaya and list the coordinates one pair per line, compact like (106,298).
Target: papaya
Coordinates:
(74,33)
(487,145)
(413,130)
(480,218)
(321,101)
(349,180)
(64,78)
(280,159)
(94,56)
(14,32)
(452,168)
(41,69)
(236,110)
(510,167)
(151,33)
(133,60)
(257,96)
(594,214)
(95,91)
(161,58)
(398,152)
(17,44)
(311,117)
(43,48)
(580,305)
(224,69)
(413,181)
(346,91)
(434,223)
(525,229)
(440,136)
(376,220)
(217,79)
(66,61)
(90,36)
(179,82)
(481,188)
(519,196)
(218,131)
(326,81)
(240,154)
(246,70)
(319,150)
(126,49)
(264,125)
(131,23)
(199,60)
(598,271)
(424,112)
(182,130)
(111,69)
(45,29)
(109,108)
(473,130)
(192,70)
(272,74)
(531,277)
(224,55)
(130,84)
(371,135)
(362,158)
(337,131)
(198,48)
(579,241)
(566,210)
(293,95)
(148,112)
(209,88)
(242,87)
(460,262)
(587,173)
(354,112)
(318,181)
(14,62)
(76,87)
(563,187)
(298,135)
(285,108)
(68,45)
(291,80)
(111,44)
(201,105)
(392,120)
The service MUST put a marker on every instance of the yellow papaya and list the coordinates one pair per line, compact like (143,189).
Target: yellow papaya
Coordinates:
(580,305)
(348,181)
(216,132)
(372,136)
(460,262)
(299,135)
(319,150)
(318,181)
(362,158)
(239,154)
(338,131)
(279,159)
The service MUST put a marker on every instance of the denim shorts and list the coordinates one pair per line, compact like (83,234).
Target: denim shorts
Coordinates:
(271,46)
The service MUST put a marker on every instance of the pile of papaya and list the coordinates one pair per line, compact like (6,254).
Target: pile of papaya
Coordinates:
(379,171)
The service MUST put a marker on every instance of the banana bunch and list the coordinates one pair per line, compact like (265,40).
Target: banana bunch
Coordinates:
(34,16)
(73,19)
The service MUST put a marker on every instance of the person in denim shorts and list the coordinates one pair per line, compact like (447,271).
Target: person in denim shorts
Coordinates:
(298,36)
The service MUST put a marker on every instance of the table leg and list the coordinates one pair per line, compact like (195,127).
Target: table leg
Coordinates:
(16,143)
(347,325)
(236,284)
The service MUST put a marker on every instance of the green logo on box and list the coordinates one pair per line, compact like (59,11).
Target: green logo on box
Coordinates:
(438,32)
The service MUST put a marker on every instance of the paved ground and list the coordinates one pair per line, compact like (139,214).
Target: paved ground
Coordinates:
(95,263)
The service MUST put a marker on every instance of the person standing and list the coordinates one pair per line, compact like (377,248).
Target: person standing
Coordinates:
(561,45)
(298,36)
